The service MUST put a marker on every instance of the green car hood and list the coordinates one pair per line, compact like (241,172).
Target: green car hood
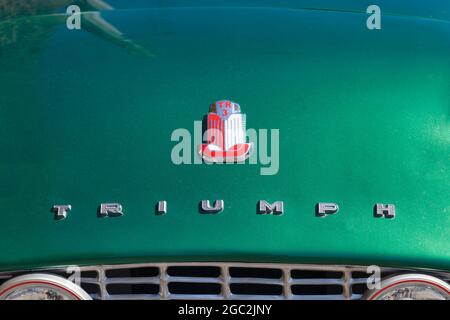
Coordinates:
(86,117)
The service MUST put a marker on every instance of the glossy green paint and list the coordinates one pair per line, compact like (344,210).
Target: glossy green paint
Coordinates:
(363,118)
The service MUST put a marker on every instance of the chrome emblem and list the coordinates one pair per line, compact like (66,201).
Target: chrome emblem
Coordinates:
(224,134)
(205,206)
(384,211)
(324,208)
(276,208)
(161,207)
(61,211)
(110,210)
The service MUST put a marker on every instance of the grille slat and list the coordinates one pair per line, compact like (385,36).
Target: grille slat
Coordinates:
(132,280)
(133,297)
(258,297)
(194,280)
(218,281)
(198,296)
(89,280)
(318,297)
(256,281)
(317,282)
(361,280)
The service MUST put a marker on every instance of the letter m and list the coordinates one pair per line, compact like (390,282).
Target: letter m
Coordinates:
(275,208)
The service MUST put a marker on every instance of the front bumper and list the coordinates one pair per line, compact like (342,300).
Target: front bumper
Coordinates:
(222,280)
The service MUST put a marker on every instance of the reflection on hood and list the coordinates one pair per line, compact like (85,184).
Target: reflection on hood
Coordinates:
(20,8)
(25,24)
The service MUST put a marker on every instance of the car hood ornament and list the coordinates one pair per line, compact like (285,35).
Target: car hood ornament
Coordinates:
(224,134)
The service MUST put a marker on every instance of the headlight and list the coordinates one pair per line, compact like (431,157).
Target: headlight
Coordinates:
(410,287)
(41,287)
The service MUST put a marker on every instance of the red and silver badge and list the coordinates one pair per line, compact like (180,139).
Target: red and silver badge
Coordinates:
(224,133)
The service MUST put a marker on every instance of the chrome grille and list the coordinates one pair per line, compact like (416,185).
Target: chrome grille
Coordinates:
(238,281)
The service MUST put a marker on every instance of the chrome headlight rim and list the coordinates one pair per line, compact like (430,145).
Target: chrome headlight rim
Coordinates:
(43,280)
(410,278)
